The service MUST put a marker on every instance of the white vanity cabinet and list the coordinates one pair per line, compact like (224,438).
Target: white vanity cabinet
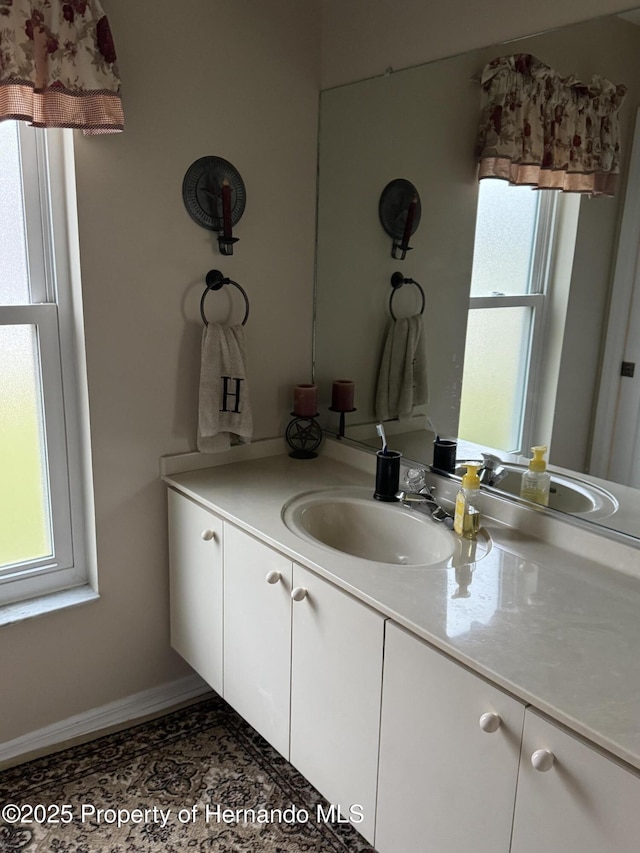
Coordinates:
(423,755)
(257,635)
(464,767)
(195,571)
(303,665)
(577,800)
(336,683)
(449,748)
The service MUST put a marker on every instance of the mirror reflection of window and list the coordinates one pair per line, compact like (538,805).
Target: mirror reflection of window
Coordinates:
(512,280)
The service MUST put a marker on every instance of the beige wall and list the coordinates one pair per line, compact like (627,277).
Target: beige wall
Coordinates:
(403,33)
(238,80)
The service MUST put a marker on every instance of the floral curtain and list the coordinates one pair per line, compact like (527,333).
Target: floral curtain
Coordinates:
(548,131)
(58,65)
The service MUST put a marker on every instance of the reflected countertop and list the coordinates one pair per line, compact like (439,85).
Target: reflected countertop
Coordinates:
(556,628)
(414,440)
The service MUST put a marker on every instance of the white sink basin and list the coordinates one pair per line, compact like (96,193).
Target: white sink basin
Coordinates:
(351,521)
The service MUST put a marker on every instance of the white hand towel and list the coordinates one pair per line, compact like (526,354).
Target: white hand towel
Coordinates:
(224,412)
(402,378)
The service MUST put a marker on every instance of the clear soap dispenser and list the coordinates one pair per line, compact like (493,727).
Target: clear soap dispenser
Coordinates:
(466,522)
(536,481)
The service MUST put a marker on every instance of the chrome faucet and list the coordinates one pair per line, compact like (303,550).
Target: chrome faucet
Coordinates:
(424,500)
(492,470)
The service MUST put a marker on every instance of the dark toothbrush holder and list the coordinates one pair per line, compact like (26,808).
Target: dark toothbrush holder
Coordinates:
(387,475)
(444,455)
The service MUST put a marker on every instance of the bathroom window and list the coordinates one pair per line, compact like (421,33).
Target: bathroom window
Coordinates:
(43,502)
(511,263)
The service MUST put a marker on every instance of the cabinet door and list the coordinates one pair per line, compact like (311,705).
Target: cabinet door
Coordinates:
(195,566)
(583,803)
(445,784)
(335,696)
(257,635)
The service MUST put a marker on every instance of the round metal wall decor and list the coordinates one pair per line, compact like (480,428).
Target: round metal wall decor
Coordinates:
(202,192)
(394,205)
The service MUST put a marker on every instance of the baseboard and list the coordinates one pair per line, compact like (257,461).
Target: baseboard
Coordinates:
(139,705)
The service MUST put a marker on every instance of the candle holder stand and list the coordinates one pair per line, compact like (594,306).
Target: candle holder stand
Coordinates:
(341,425)
(399,250)
(303,435)
(225,244)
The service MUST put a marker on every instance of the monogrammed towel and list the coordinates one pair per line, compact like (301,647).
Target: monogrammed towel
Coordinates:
(224,408)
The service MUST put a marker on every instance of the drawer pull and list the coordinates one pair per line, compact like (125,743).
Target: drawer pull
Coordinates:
(542,760)
(298,593)
(207,535)
(490,722)
(273,577)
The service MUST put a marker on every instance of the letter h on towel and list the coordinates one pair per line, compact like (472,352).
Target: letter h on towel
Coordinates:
(224,411)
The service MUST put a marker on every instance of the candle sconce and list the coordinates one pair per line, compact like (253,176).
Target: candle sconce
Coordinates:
(399,210)
(214,196)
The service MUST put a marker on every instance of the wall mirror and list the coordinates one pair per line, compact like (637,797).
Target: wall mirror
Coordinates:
(420,124)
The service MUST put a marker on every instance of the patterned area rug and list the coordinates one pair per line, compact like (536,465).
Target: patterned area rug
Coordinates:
(165,786)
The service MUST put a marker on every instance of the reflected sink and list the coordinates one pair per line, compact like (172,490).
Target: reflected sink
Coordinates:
(567,494)
(349,520)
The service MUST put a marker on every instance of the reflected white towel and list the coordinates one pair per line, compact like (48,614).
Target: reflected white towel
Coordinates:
(224,406)
(402,379)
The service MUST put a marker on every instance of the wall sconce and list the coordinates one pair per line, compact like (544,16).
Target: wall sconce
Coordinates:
(399,210)
(214,196)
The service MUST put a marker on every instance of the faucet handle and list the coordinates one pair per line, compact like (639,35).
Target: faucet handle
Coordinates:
(414,479)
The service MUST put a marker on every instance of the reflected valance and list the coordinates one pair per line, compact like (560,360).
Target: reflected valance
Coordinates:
(548,131)
(58,65)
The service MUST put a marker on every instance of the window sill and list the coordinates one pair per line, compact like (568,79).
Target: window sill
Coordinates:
(20,611)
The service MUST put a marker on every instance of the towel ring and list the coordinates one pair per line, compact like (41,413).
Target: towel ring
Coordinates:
(215,281)
(397,280)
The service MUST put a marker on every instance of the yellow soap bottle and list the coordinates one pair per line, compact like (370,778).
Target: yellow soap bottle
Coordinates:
(536,480)
(466,522)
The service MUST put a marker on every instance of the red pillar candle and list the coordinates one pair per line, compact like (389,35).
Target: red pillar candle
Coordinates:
(342,395)
(305,401)
(226,209)
(408,228)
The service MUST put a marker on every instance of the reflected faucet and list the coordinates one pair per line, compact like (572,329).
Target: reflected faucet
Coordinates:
(492,470)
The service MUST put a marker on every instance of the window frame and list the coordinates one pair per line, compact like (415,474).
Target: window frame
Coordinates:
(48,182)
(535,297)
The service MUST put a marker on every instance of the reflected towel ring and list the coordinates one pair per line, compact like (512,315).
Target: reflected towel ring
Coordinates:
(215,281)
(397,280)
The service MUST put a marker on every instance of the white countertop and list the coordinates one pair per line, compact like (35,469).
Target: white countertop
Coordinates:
(557,630)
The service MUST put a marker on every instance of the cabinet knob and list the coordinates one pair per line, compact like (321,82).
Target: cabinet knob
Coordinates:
(542,760)
(273,577)
(298,593)
(208,535)
(490,722)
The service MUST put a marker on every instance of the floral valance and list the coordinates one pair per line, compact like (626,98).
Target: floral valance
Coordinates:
(58,65)
(545,130)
